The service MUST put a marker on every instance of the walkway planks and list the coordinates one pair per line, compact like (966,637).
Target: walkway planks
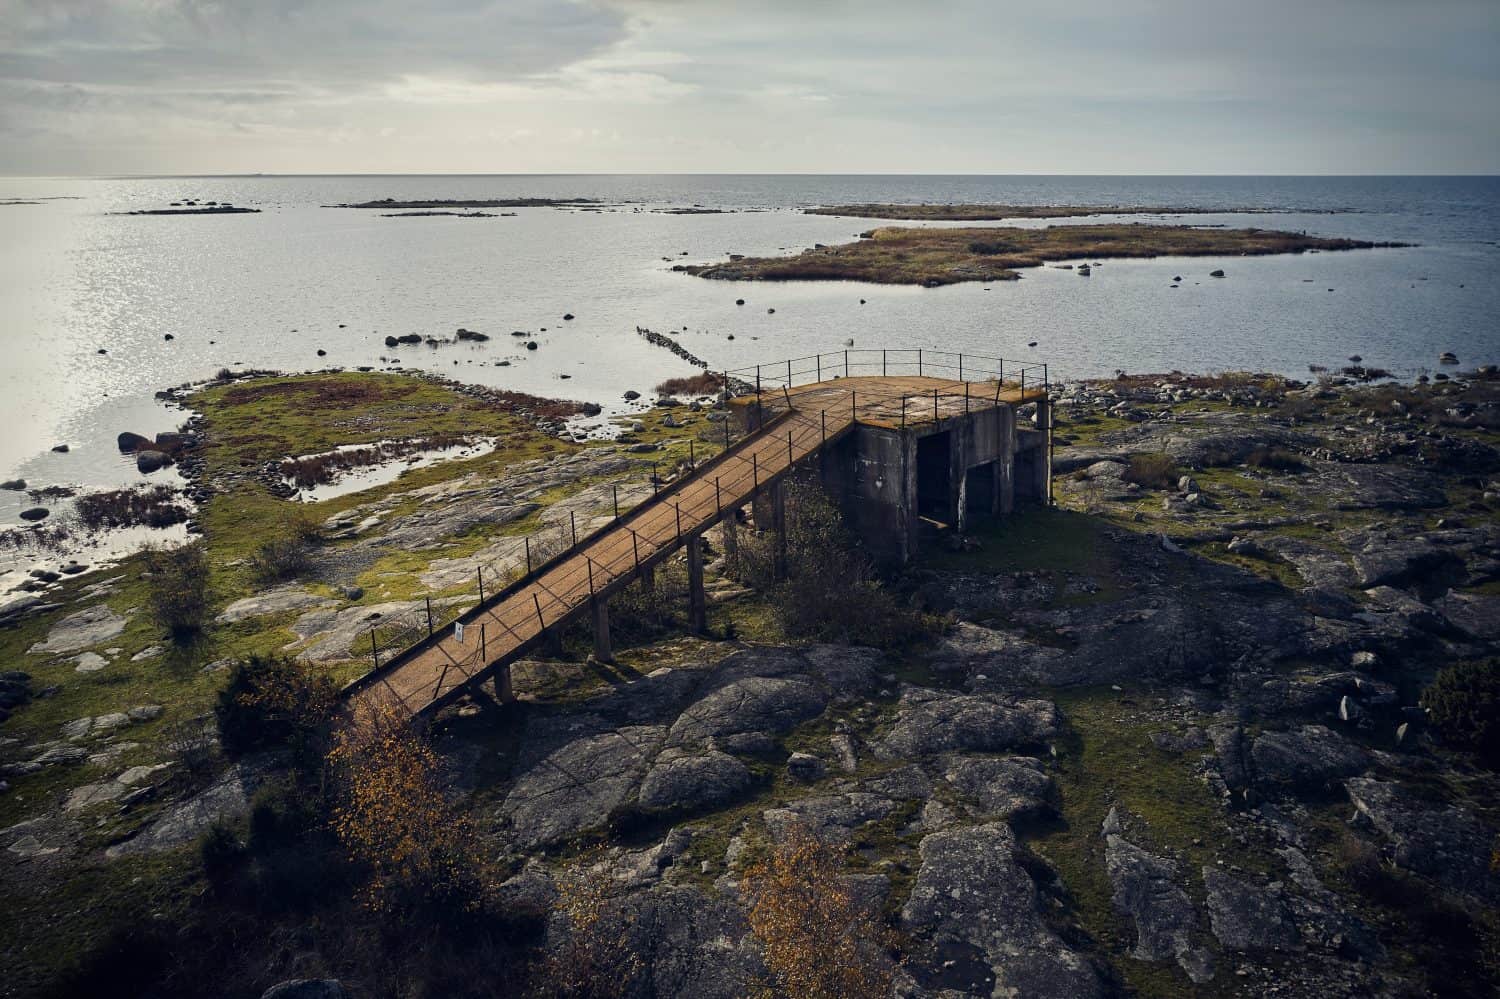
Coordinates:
(510,623)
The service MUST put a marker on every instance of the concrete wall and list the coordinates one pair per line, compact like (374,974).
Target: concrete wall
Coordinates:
(872,474)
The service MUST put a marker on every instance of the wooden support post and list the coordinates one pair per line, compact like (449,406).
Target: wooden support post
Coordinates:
(697,600)
(604,650)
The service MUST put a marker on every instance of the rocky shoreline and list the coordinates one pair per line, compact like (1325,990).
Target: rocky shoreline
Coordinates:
(1168,738)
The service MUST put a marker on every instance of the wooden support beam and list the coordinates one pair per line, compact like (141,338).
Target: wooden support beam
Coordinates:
(697,600)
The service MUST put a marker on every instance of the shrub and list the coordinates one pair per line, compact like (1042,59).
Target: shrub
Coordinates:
(220,851)
(830,590)
(705,384)
(279,559)
(272,702)
(177,595)
(421,851)
(596,958)
(818,941)
(1463,703)
(1276,459)
(1151,471)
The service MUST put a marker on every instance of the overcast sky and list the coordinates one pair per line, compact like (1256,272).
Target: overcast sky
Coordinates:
(685,86)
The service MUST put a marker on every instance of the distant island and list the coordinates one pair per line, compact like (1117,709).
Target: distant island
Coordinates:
(458,215)
(197,210)
(446,203)
(994,213)
(935,257)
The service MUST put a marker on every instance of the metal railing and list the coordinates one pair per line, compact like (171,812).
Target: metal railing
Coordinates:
(886,363)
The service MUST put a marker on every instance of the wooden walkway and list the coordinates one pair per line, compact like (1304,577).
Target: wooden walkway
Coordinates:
(508,624)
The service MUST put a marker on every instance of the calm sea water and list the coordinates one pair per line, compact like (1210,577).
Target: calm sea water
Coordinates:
(270,290)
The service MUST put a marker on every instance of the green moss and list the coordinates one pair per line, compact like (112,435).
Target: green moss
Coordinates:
(1106,758)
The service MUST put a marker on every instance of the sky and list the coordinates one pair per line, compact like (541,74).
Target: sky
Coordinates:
(92,87)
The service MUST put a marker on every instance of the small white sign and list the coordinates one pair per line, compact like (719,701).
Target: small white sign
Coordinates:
(458,632)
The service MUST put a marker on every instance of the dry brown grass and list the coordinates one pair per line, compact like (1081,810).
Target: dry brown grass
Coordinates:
(701,384)
(933,257)
(995,212)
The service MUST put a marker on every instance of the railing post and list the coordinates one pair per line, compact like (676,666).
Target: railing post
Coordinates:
(846,364)
(537,603)
(1002,369)
(818,361)
(718,499)
(615,487)
(480,572)
(882,362)
(429,616)
(788,372)
(903,412)
(374,652)
(919,362)
(679,520)
(635,548)
(527,540)
(788,449)
(757,383)
(590,564)
(934,405)
(960,366)
(573,525)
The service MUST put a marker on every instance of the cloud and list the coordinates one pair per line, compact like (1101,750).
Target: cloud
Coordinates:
(794,85)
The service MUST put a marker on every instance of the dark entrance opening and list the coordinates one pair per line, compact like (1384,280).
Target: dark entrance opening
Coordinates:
(979,489)
(933,501)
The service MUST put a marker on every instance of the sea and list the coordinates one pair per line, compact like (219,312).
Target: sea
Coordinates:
(99,310)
